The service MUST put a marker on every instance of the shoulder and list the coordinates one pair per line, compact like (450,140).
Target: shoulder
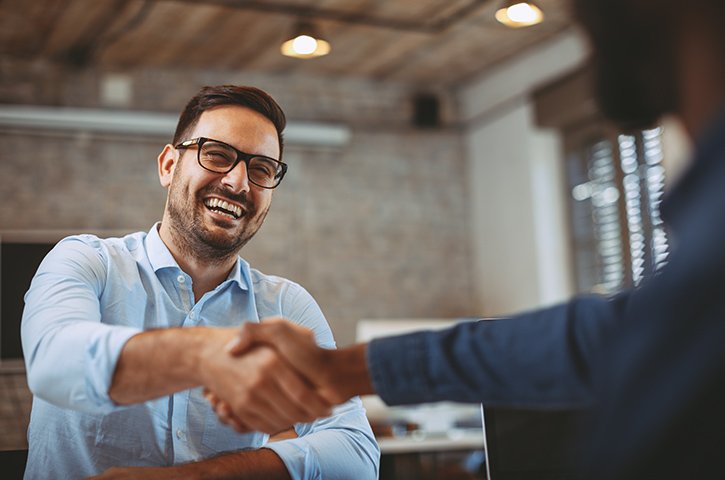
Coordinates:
(278,296)
(273,285)
(90,252)
(88,244)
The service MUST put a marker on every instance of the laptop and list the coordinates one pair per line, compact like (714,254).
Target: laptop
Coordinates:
(522,444)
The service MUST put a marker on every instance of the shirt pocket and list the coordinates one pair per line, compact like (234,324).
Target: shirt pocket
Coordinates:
(219,437)
(128,437)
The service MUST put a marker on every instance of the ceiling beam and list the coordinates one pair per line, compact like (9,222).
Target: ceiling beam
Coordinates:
(312,13)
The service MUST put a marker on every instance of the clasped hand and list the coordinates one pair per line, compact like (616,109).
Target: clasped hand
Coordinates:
(269,377)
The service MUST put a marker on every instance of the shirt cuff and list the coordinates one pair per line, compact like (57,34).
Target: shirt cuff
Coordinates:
(102,352)
(398,368)
(298,457)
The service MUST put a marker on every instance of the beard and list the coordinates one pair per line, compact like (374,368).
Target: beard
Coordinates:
(194,237)
(634,60)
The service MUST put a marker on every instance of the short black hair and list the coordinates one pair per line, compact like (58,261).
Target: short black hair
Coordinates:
(244,96)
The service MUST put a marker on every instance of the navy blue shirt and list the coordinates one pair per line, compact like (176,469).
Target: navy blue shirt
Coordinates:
(648,363)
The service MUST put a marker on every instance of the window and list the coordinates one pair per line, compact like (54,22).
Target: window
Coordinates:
(616,183)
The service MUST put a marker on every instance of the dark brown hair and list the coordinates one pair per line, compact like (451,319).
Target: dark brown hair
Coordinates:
(250,97)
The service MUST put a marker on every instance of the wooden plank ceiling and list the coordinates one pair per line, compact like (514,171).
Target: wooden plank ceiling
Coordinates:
(420,42)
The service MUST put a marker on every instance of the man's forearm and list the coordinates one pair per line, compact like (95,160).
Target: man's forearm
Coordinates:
(160,362)
(252,464)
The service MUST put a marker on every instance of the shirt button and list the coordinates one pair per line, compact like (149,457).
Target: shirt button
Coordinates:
(191,315)
(181,279)
(180,434)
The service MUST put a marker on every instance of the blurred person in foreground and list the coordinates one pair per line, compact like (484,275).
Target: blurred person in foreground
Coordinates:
(121,334)
(648,364)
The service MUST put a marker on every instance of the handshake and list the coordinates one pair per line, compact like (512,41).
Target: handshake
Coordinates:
(273,374)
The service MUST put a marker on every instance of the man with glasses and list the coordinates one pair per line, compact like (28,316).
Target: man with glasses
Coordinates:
(118,338)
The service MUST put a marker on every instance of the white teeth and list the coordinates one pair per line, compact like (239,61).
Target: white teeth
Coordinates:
(219,203)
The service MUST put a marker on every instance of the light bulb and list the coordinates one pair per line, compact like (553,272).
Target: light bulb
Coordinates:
(522,13)
(304,45)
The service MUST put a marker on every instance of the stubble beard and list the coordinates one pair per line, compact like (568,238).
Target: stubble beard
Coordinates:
(193,237)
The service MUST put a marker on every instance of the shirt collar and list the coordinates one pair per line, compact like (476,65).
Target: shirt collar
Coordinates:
(160,257)
(157,251)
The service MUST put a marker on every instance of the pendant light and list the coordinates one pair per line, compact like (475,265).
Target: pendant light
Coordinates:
(519,13)
(305,42)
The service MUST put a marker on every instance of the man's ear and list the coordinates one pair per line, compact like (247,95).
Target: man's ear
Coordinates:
(167,164)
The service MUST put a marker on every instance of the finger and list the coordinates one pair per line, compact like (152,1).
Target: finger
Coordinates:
(224,412)
(295,343)
(275,410)
(225,415)
(258,333)
(211,397)
(308,403)
(244,341)
(257,420)
(268,408)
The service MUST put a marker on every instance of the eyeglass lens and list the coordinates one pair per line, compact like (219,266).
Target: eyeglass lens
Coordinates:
(219,158)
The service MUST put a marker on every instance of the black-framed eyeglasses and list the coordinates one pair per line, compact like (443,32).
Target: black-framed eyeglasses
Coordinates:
(220,157)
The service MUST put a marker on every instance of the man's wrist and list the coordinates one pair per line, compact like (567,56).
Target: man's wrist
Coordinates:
(207,344)
(142,374)
(350,375)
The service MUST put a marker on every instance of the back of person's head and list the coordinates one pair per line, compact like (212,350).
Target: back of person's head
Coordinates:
(638,53)
(243,96)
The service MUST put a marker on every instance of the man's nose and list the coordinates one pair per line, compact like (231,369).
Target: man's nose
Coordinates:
(236,180)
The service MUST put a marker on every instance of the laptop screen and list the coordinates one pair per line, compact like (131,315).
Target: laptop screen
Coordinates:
(531,444)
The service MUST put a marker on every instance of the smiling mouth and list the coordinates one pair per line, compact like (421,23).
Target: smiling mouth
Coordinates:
(225,208)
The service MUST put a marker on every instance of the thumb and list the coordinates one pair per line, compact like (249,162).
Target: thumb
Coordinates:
(244,341)
(296,344)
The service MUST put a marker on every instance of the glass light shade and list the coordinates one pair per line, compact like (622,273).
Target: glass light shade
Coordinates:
(305,43)
(519,14)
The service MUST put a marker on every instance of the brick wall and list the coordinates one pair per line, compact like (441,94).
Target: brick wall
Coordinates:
(377,228)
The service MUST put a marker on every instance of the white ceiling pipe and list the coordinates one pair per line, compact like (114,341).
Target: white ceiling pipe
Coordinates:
(149,123)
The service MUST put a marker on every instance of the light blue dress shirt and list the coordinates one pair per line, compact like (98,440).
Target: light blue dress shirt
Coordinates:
(89,297)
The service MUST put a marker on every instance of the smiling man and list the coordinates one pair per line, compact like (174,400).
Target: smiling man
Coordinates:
(120,335)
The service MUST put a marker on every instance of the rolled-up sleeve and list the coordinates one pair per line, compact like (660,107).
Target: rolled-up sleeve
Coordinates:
(70,354)
(341,445)
(336,447)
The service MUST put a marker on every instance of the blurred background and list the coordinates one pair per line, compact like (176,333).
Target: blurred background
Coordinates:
(443,164)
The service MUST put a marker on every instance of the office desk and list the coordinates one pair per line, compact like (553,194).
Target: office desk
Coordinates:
(456,455)
(416,442)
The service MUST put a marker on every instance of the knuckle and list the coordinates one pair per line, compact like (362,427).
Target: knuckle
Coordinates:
(305,396)
(247,328)
(245,398)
